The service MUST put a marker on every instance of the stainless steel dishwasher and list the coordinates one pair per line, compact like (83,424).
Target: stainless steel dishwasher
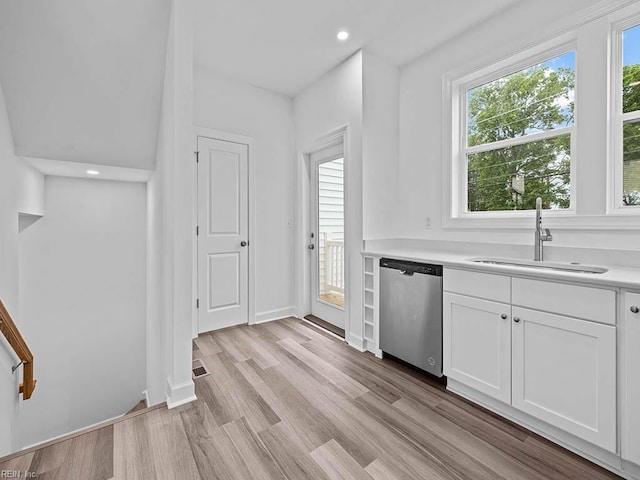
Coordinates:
(411,313)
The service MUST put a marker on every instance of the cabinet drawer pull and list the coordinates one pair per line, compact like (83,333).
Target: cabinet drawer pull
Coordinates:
(516,319)
(634,309)
(503,316)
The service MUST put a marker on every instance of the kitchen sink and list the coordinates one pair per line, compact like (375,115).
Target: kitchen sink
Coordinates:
(561,267)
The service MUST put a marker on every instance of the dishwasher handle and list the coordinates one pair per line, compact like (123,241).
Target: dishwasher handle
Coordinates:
(408,268)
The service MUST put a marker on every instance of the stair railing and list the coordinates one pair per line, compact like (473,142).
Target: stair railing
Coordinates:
(15,339)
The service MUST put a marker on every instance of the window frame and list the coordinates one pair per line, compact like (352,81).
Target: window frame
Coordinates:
(615,167)
(459,131)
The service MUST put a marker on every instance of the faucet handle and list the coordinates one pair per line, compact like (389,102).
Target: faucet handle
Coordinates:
(547,235)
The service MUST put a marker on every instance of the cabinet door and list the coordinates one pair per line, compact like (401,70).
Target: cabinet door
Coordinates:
(477,344)
(631,379)
(564,373)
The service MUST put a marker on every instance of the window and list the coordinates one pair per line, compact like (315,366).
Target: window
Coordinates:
(629,118)
(516,138)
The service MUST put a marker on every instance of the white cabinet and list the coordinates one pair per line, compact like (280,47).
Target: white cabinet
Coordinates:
(528,350)
(477,340)
(564,373)
(631,378)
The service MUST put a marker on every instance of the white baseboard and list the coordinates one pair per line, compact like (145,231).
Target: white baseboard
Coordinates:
(106,421)
(356,342)
(630,470)
(180,394)
(274,315)
(376,351)
(145,397)
(593,453)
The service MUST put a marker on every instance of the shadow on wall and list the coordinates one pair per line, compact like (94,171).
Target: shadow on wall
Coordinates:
(82,304)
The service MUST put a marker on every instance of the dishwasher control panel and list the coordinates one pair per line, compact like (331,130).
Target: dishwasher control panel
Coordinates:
(412,267)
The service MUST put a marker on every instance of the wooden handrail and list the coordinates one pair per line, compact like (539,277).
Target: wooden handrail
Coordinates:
(15,339)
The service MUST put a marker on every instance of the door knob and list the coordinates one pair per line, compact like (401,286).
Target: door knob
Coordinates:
(516,319)
(311,246)
(634,309)
(243,243)
(503,316)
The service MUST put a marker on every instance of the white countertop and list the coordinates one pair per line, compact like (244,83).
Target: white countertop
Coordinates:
(622,277)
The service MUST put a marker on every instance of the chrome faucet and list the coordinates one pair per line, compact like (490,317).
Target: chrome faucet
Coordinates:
(542,234)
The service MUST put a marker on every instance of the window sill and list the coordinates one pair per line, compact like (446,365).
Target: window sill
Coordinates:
(557,221)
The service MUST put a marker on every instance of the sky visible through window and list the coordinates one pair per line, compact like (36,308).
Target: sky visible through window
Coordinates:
(631,46)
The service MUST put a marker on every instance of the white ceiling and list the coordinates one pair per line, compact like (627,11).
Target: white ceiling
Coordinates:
(284,45)
(83,79)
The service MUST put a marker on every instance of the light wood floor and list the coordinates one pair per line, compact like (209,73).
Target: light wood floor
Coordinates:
(284,400)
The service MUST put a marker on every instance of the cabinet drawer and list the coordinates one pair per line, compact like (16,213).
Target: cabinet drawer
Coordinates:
(590,303)
(476,284)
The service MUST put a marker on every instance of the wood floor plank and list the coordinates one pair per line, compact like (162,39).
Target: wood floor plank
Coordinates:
(504,441)
(349,385)
(258,459)
(202,430)
(257,351)
(206,345)
(51,458)
(404,455)
(170,449)
(294,462)
(379,470)
(286,400)
(282,330)
(343,360)
(310,426)
(231,396)
(22,463)
(449,458)
(132,450)
(311,331)
(393,384)
(398,469)
(348,433)
(337,463)
(575,466)
(483,452)
(229,344)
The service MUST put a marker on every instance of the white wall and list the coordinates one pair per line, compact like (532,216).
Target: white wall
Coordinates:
(8,277)
(380,145)
(422,131)
(330,103)
(158,353)
(170,299)
(82,305)
(30,190)
(235,107)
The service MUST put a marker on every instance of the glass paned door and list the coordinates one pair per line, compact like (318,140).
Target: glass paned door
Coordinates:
(328,271)
(330,258)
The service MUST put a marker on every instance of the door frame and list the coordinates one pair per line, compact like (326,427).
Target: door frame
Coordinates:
(250,143)
(303,217)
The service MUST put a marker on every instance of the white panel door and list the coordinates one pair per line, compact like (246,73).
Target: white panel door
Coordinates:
(223,249)
(327,238)
(631,379)
(564,372)
(477,344)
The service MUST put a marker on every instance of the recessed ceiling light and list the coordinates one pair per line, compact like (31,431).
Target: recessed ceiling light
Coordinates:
(342,35)
(93,172)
